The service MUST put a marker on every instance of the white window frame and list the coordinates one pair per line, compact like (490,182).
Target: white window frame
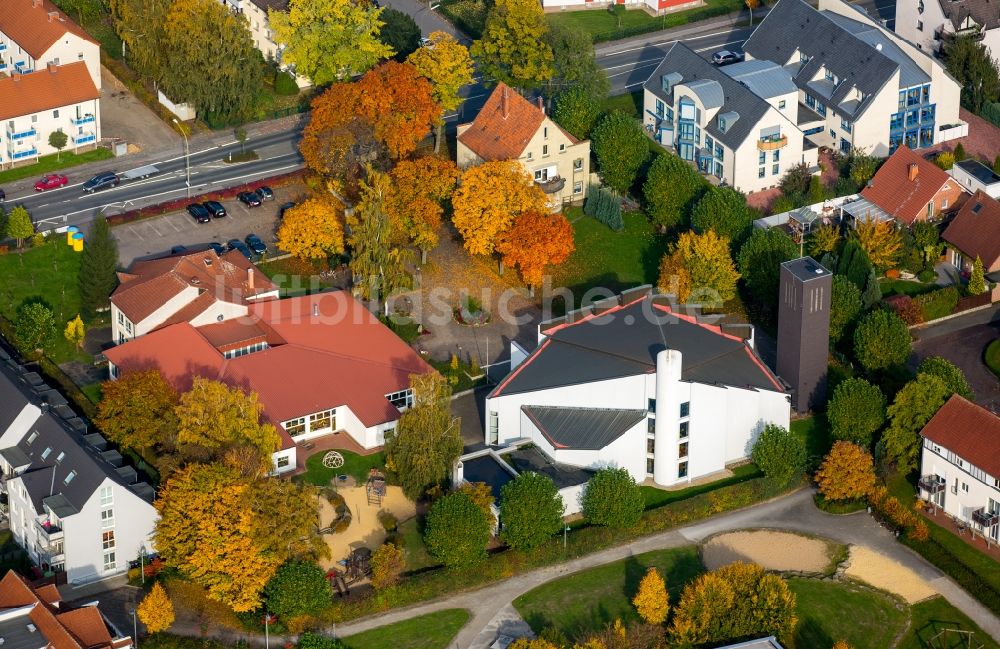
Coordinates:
(110,562)
(107,496)
(107,518)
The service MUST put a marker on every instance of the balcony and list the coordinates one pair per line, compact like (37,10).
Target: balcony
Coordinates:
(932,484)
(21,155)
(83,138)
(3,47)
(86,119)
(48,532)
(552,185)
(770,144)
(984,519)
(20,135)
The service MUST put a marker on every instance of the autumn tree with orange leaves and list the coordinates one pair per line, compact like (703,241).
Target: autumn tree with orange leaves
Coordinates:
(420,188)
(847,472)
(535,241)
(489,197)
(313,229)
(397,101)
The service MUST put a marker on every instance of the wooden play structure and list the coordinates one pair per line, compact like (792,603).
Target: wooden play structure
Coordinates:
(375,488)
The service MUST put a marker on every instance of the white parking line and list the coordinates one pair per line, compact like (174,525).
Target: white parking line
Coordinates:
(135,233)
(638,67)
(170,222)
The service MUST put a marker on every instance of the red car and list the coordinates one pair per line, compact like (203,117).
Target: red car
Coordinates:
(52,181)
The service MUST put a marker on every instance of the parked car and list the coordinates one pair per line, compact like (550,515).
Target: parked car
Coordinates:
(284,207)
(199,212)
(265,193)
(426,42)
(236,244)
(217,247)
(3,195)
(255,244)
(51,181)
(215,208)
(250,199)
(177,250)
(725,57)
(101,181)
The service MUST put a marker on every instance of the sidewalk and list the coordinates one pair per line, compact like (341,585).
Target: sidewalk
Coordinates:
(699,28)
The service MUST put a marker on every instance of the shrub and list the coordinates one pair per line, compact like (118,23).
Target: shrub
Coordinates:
(907,310)
(310,640)
(387,566)
(342,524)
(892,273)
(603,205)
(297,588)
(613,499)
(939,303)
(847,472)
(856,411)
(951,374)
(457,531)
(284,84)
(785,203)
(388,521)
(779,454)
(531,510)
(881,341)
(945,160)
(926,275)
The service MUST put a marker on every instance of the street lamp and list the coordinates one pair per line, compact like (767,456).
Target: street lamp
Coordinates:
(187,155)
(123,43)
(135,630)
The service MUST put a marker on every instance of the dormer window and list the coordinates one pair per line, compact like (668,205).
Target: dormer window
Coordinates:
(722,123)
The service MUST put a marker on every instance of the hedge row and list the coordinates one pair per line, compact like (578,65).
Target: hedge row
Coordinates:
(581,541)
(952,566)
(939,303)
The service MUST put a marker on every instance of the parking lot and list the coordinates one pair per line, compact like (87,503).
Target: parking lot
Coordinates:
(159,234)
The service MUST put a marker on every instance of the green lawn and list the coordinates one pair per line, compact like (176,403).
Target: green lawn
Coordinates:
(93,392)
(905,287)
(825,607)
(815,432)
(659,497)
(605,26)
(295,277)
(992,357)
(613,261)
(587,601)
(354,465)
(49,163)
(929,618)
(47,273)
(630,103)
(432,631)
(417,557)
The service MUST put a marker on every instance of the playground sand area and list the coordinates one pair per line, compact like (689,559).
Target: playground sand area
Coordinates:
(365,528)
(778,551)
(882,572)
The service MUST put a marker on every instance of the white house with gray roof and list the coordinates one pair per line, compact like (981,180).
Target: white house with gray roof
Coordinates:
(930,23)
(73,505)
(631,383)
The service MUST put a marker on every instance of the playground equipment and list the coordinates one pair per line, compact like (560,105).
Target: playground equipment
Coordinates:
(375,488)
(333,460)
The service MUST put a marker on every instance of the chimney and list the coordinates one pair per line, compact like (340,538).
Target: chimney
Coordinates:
(315,310)
(541,105)
(51,67)
(503,102)
(250,279)
(912,172)
(53,15)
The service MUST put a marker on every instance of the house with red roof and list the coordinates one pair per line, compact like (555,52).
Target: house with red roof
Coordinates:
(631,382)
(975,232)
(960,464)
(320,364)
(199,287)
(909,188)
(509,127)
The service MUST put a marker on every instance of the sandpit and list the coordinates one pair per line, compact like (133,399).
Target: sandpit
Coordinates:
(365,529)
(882,572)
(778,551)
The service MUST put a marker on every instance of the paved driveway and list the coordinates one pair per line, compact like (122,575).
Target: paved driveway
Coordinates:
(964,347)
(124,116)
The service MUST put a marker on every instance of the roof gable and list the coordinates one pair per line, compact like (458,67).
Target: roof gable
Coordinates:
(975,230)
(968,430)
(36,25)
(45,89)
(893,190)
(504,126)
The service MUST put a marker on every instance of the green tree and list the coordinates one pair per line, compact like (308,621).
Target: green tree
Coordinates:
(969,61)
(910,411)
(951,374)
(58,141)
(513,48)
(725,211)
(817,192)
(671,189)
(223,81)
(19,225)
(98,274)
(457,531)
(531,510)
(795,182)
(996,164)
(873,291)
(862,167)
(881,341)
(699,269)
(574,63)
(856,411)
(399,32)
(140,25)
(447,65)
(137,411)
(330,40)
(576,111)
(379,268)
(34,326)
(845,306)
(781,455)
(310,640)
(425,444)
(760,262)
(621,148)
(927,238)
(297,588)
(854,264)
(977,279)
(613,499)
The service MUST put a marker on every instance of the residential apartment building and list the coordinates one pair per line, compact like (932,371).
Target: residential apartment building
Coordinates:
(812,78)
(960,464)
(201,288)
(930,23)
(257,14)
(320,364)
(909,188)
(36,618)
(509,127)
(72,503)
(630,382)
(35,33)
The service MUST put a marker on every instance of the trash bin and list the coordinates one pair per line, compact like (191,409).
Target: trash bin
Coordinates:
(70,231)
(77,242)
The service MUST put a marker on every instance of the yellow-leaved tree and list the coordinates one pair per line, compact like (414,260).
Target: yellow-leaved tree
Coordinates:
(488,199)
(75,332)
(652,601)
(420,188)
(388,564)
(847,472)
(213,418)
(447,65)
(699,268)
(532,643)
(841,644)
(156,610)
(881,240)
(313,229)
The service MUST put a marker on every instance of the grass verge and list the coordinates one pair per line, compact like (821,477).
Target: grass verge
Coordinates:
(936,620)
(605,26)
(815,432)
(354,465)
(824,606)
(992,357)
(432,631)
(417,558)
(659,497)
(55,162)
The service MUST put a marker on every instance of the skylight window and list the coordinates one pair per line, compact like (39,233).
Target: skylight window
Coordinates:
(59,458)
(46,452)
(69,477)
(33,436)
